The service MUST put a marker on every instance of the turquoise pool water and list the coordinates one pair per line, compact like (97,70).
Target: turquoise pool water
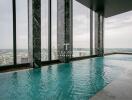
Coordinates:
(78,80)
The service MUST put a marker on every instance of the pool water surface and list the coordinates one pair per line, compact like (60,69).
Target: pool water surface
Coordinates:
(77,80)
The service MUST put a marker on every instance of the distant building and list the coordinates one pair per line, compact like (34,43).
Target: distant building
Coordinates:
(1,60)
(24,60)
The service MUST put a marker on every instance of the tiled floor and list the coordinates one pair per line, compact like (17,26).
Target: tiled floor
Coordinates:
(120,89)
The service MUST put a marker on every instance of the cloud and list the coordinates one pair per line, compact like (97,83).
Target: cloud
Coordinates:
(118,31)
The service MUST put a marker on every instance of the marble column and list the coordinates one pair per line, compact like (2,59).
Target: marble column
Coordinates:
(64,30)
(99,34)
(34,17)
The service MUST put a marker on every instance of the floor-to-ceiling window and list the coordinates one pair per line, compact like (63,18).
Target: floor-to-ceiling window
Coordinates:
(22,31)
(44,30)
(117,35)
(6,33)
(81,30)
(54,30)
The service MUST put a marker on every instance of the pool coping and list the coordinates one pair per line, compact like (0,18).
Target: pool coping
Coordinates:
(118,89)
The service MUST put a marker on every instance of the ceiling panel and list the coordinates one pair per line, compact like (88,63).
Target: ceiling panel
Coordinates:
(109,7)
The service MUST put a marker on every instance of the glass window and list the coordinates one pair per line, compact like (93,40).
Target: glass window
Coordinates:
(44,30)
(22,31)
(118,33)
(54,30)
(6,33)
(81,30)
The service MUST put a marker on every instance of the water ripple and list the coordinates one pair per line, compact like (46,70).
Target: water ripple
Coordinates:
(78,80)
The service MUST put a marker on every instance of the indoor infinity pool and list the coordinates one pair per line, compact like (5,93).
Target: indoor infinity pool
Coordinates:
(78,80)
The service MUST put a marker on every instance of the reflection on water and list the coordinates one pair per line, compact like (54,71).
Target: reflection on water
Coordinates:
(77,80)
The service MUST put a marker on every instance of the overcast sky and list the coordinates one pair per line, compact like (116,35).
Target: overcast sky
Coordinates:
(117,31)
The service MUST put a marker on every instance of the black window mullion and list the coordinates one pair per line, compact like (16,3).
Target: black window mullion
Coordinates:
(14,31)
(91,32)
(49,30)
